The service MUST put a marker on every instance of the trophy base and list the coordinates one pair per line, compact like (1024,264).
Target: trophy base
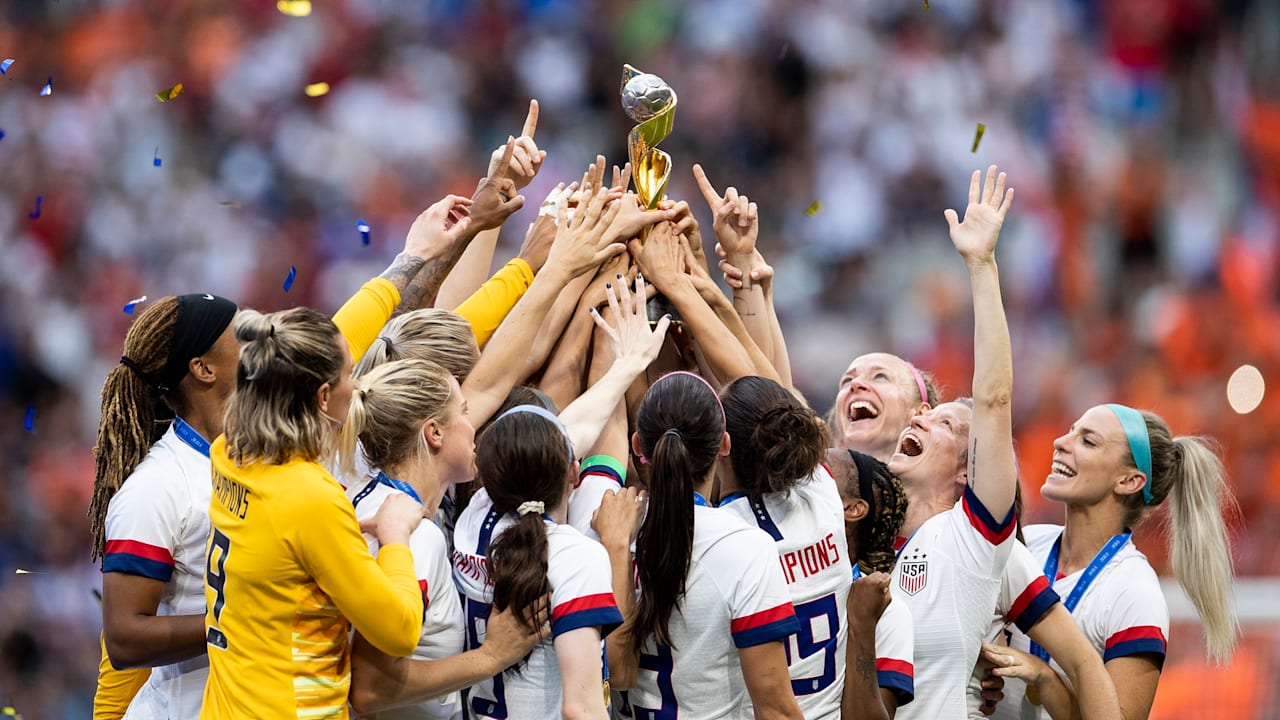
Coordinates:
(660,305)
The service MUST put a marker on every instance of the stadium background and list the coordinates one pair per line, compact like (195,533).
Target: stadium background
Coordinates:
(1140,262)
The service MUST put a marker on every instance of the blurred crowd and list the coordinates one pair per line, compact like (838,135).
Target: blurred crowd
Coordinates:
(1140,259)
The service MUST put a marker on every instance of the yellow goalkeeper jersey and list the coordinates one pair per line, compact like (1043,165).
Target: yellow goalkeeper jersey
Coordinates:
(287,569)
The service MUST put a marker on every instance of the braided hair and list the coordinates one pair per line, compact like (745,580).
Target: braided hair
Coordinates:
(135,412)
(859,475)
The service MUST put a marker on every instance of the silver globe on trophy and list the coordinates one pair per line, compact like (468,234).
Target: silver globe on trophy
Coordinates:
(650,101)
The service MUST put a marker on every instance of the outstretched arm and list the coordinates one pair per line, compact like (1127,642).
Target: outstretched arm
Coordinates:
(991,465)
(495,200)
(634,346)
(578,249)
(661,259)
(737,227)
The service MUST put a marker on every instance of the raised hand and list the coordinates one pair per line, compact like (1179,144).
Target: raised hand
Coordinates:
(632,339)
(439,226)
(594,295)
(736,222)
(686,225)
(525,160)
(580,243)
(989,202)
(660,256)
(868,598)
(496,197)
(631,218)
(762,272)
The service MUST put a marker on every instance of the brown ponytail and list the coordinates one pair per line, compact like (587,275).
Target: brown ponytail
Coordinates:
(522,458)
(776,440)
(680,425)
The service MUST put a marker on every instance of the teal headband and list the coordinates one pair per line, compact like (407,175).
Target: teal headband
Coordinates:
(1135,428)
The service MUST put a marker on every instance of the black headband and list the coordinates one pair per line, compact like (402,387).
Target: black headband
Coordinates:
(867,467)
(202,318)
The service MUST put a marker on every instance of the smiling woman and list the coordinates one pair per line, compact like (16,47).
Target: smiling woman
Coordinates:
(878,395)
(1115,466)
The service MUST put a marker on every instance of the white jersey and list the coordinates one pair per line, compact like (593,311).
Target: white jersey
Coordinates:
(948,576)
(895,652)
(581,596)
(1025,597)
(734,598)
(1123,612)
(157,526)
(442,625)
(598,475)
(807,527)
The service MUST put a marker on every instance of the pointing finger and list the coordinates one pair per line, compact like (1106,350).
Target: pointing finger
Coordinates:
(708,190)
(531,120)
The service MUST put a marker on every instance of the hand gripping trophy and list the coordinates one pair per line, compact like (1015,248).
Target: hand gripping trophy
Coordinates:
(651,102)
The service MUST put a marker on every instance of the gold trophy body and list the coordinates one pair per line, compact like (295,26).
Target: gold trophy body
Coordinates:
(651,102)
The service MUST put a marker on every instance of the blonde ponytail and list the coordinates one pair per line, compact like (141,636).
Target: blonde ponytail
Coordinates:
(1188,472)
(1199,547)
(349,437)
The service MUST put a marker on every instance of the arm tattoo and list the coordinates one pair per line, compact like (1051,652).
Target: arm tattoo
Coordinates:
(419,280)
(973,461)
(403,269)
(865,666)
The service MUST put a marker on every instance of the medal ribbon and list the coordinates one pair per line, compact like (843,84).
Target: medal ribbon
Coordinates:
(1090,574)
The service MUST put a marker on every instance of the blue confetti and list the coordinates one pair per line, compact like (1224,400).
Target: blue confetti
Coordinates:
(4,66)
(48,88)
(29,424)
(363,227)
(156,160)
(1,134)
(129,306)
(36,214)
(288,282)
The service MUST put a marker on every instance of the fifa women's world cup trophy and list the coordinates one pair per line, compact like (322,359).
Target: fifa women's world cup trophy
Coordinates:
(651,102)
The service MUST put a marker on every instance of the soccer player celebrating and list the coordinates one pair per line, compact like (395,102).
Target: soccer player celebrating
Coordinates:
(412,425)
(1114,465)
(713,612)
(949,572)
(774,478)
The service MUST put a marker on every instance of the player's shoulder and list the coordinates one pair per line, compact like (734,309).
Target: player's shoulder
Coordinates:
(427,538)
(1131,574)
(473,516)
(567,543)
(718,532)
(1039,538)
(165,459)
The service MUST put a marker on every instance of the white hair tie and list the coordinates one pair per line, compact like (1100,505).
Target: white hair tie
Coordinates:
(533,506)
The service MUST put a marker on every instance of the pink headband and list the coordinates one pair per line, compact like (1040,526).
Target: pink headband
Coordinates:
(644,460)
(924,392)
(703,380)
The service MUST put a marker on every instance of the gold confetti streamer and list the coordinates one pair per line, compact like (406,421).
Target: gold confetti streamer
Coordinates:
(294,8)
(317,89)
(171,93)
(813,209)
(230,203)
(926,5)
(977,138)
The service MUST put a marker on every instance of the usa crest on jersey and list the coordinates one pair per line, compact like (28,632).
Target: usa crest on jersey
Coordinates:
(914,575)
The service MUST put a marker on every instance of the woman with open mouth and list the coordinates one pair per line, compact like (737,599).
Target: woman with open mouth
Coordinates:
(949,570)
(1111,470)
